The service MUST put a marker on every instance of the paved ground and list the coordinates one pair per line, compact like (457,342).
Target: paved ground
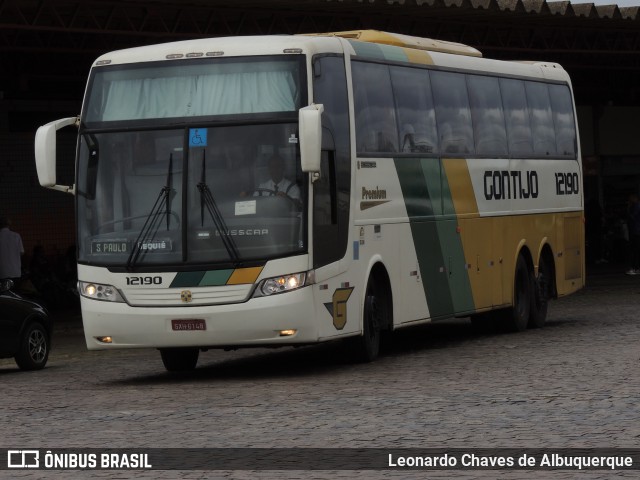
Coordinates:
(574,383)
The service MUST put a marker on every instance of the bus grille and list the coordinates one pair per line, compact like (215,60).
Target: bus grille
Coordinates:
(183,297)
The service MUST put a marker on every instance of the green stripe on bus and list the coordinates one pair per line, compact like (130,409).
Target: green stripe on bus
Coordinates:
(394,54)
(187,279)
(413,174)
(438,245)
(215,278)
(459,282)
(377,51)
(367,50)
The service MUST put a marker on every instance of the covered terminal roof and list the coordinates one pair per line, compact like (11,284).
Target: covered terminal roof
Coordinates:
(47,46)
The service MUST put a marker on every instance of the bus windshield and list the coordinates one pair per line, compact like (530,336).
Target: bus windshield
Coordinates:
(200,195)
(194,88)
(191,162)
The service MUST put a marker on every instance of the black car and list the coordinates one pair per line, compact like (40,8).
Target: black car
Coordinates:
(25,329)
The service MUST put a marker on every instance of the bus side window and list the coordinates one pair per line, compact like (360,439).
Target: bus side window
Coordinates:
(452,113)
(376,130)
(517,117)
(544,137)
(332,192)
(488,118)
(563,119)
(416,115)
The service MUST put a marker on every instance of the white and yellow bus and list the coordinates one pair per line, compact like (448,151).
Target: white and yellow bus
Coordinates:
(289,190)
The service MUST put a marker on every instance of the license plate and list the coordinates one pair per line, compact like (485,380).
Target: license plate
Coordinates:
(188,325)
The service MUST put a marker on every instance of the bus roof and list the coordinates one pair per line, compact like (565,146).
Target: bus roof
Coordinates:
(392,47)
(374,44)
(223,47)
(406,41)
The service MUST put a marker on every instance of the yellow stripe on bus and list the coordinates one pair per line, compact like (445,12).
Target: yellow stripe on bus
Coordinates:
(476,234)
(418,56)
(459,179)
(244,275)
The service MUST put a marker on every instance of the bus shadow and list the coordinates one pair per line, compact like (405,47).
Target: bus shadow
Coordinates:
(329,358)
(287,362)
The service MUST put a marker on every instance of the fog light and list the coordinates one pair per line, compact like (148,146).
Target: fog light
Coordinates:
(288,333)
(105,339)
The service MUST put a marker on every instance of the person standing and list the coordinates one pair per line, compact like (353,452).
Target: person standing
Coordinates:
(634,234)
(11,251)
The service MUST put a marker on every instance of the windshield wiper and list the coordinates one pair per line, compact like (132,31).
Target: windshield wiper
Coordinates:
(152,222)
(207,200)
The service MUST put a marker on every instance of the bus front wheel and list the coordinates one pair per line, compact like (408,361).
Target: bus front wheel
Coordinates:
(366,348)
(179,359)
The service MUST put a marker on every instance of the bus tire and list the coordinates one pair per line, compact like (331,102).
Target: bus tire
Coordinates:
(516,317)
(366,348)
(179,359)
(541,295)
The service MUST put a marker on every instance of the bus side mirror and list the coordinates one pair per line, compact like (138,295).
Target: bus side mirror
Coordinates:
(310,119)
(45,150)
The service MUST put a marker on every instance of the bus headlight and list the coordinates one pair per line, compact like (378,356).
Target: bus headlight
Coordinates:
(284,283)
(98,291)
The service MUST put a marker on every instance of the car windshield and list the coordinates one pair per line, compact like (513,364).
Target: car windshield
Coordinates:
(198,194)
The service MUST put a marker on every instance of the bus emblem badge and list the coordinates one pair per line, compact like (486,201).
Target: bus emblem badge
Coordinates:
(338,307)
(185,296)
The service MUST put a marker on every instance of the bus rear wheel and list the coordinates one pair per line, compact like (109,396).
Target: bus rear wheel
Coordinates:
(516,318)
(541,295)
(179,359)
